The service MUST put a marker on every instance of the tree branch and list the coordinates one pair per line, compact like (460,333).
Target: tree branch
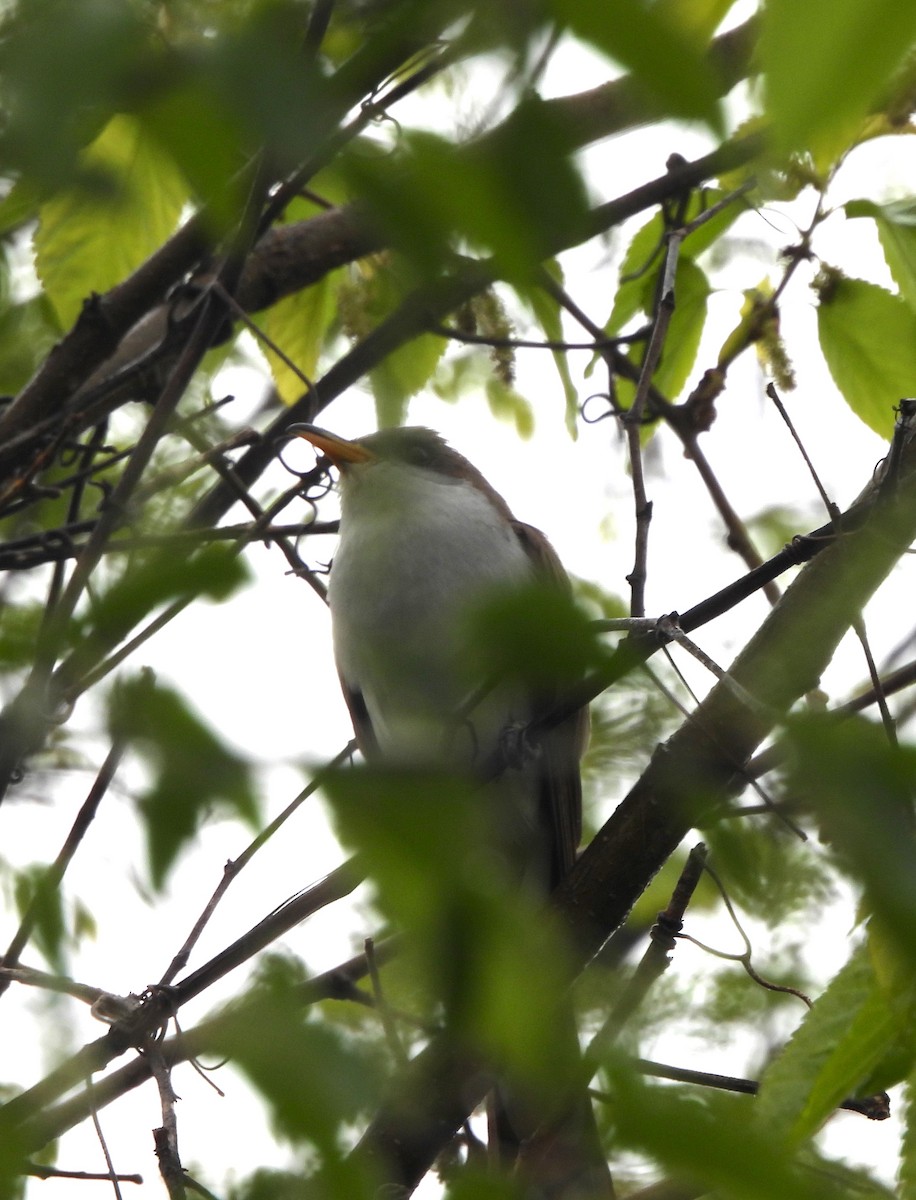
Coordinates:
(694,773)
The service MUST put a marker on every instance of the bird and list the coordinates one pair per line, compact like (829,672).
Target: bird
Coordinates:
(424,541)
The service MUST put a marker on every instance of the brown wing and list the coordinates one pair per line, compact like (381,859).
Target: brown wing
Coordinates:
(559,781)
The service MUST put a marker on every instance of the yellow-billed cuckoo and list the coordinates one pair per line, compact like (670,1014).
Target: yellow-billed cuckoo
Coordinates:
(424,540)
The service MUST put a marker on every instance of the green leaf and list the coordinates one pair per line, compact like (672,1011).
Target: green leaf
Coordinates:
(94,234)
(193,770)
(19,633)
(896,224)
(299,325)
(644,256)
(215,572)
(32,892)
(27,332)
(712,1142)
(642,260)
(835,1053)
(691,292)
(490,195)
(444,854)
(402,374)
(826,61)
(367,294)
(774,878)
(508,404)
(863,790)
(683,340)
(205,143)
(19,205)
(14,1151)
(702,17)
(652,42)
(316,1081)
(907,1175)
(63,66)
(535,634)
(868,337)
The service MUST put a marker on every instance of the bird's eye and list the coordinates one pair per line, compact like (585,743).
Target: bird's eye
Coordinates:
(418,456)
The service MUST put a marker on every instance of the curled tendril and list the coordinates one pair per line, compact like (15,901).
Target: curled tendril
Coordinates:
(385,118)
(317,490)
(610,411)
(319,471)
(311,517)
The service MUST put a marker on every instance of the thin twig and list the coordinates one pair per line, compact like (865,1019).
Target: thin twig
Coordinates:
(87,457)
(654,962)
(511,343)
(670,629)
(234,867)
(52,878)
(31,977)
(738,537)
(633,419)
(46,1123)
(112,1174)
(262,336)
(165,1137)
(874,1107)
(41,1171)
(833,512)
(55,545)
(389,1025)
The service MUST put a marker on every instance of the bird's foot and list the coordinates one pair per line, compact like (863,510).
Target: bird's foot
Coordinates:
(517,748)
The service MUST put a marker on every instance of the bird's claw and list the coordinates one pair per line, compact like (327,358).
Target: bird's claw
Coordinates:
(516,746)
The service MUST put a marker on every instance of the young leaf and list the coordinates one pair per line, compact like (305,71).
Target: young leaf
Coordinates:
(691,296)
(299,324)
(508,404)
(896,224)
(313,1079)
(402,374)
(91,237)
(214,572)
(368,294)
(868,337)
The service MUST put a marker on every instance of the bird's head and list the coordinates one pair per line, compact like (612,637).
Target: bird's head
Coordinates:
(396,456)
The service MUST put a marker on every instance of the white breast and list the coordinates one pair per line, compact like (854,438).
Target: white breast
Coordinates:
(418,552)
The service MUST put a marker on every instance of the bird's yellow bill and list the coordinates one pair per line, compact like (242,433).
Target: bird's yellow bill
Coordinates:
(339,450)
